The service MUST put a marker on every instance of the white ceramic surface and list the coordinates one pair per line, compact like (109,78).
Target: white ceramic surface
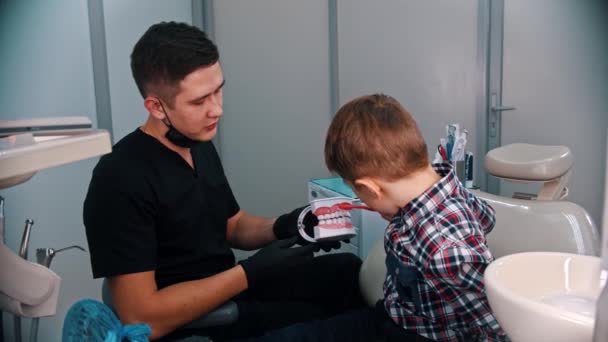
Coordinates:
(544,296)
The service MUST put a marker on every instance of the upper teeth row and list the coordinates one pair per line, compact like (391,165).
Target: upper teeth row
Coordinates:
(335,220)
(334,215)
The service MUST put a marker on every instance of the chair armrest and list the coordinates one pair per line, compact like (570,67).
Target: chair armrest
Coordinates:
(225,314)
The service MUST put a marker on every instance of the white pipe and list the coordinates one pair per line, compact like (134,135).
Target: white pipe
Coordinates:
(600,330)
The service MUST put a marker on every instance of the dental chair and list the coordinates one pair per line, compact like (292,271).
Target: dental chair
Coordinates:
(544,222)
(225,314)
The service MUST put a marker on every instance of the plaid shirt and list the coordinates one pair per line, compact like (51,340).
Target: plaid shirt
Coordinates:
(436,255)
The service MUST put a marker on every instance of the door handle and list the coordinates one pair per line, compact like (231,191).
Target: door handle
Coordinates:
(501,108)
(495,107)
(494,115)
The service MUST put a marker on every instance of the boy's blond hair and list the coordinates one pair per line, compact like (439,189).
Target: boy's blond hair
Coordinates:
(374,136)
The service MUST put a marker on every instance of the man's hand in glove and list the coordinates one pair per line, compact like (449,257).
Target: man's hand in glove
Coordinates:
(276,258)
(286,226)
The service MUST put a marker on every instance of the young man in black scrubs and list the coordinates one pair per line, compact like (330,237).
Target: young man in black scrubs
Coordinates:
(161,218)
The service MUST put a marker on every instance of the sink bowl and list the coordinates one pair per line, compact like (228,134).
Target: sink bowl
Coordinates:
(544,296)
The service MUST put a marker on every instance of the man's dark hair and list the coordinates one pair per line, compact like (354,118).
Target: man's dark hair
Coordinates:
(166,53)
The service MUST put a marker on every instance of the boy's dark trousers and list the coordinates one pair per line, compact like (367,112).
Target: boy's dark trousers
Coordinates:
(322,287)
(360,325)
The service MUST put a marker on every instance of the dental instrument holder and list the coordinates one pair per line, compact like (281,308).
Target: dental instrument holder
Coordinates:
(25,241)
(527,163)
(26,147)
(44,257)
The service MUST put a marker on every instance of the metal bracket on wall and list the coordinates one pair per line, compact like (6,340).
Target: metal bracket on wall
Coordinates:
(202,17)
(495,22)
(101,79)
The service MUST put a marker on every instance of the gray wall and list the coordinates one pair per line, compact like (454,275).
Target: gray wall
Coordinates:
(275,59)
(423,53)
(125,22)
(556,75)
(277,98)
(46,71)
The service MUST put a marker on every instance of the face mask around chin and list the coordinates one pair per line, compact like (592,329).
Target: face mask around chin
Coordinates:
(179,139)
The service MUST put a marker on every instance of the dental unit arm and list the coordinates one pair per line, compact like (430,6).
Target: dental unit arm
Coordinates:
(29,289)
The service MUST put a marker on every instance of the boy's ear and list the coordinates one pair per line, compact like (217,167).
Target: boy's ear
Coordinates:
(152,104)
(370,186)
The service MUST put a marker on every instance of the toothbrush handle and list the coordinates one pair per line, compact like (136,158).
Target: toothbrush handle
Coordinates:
(361,207)
(353,206)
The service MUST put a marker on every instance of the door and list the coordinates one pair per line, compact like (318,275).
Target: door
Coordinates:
(423,53)
(555,73)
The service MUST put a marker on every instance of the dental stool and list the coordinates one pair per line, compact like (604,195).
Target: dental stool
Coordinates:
(527,163)
(226,314)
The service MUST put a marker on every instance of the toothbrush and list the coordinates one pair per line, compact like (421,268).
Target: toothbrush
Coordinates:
(348,206)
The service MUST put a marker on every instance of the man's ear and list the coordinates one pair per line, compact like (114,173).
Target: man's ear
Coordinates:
(153,106)
(369,186)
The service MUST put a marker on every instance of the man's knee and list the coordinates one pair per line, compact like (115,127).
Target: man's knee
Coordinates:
(342,268)
(336,262)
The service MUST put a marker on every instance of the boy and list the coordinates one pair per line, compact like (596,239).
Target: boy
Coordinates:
(435,242)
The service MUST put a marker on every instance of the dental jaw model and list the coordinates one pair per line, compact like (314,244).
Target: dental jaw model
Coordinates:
(334,220)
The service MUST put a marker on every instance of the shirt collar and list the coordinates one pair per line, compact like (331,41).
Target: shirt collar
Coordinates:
(431,198)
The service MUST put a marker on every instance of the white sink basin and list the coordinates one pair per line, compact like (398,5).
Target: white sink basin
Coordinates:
(544,296)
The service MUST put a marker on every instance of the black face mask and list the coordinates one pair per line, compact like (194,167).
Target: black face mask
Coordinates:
(176,136)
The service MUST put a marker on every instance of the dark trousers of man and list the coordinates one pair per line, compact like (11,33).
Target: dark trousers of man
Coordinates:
(323,287)
(363,325)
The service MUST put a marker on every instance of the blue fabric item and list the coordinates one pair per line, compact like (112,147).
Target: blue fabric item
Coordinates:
(90,320)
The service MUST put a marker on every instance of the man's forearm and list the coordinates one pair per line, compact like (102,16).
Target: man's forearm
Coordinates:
(251,232)
(167,309)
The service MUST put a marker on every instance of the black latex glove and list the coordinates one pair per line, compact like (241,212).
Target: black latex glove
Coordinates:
(286,226)
(276,258)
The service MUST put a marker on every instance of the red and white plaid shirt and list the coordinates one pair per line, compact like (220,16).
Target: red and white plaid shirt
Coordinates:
(436,255)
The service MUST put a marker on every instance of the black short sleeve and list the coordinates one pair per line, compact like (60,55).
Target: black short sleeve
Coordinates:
(119,216)
(147,209)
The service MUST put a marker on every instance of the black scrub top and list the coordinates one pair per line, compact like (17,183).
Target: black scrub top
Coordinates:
(147,209)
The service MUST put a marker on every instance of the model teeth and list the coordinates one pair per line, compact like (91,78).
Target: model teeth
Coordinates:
(335,217)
